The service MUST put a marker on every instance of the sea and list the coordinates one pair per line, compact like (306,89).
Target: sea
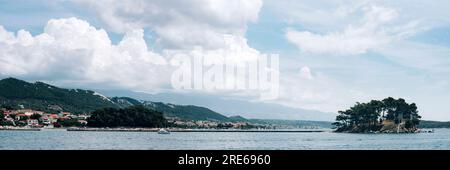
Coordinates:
(60,139)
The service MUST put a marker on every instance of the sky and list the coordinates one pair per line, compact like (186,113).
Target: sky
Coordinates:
(332,53)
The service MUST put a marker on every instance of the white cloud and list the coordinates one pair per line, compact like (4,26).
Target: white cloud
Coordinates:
(86,54)
(374,30)
(322,15)
(316,94)
(74,51)
(305,73)
(179,24)
(83,54)
(190,28)
(426,57)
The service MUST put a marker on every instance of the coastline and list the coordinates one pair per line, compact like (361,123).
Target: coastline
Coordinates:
(75,129)
(170,130)
(189,130)
(425,130)
(19,129)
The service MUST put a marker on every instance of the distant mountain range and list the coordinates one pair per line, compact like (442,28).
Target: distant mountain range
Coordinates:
(40,96)
(229,106)
(18,94)
(188,112)
(433,124)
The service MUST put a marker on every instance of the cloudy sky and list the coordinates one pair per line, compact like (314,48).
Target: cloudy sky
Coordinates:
(333,53)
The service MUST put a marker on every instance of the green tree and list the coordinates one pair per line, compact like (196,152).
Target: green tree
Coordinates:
(68,122)
(35,116)
(363,117)
(7,107)
(24,118)
(2,117)
(389,106)
(13,116)
(133,116)
(3,121)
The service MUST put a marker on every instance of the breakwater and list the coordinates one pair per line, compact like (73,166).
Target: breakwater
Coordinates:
(190,130)
(21,129)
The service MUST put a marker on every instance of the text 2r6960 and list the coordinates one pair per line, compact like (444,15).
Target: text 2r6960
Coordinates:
(246,159)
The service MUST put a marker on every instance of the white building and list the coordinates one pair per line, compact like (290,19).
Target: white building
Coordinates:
(32,122)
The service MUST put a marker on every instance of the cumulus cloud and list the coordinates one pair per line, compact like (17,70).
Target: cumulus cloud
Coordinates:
(302,92)
(374,30)
(179,24)
(72,50)
(211,29)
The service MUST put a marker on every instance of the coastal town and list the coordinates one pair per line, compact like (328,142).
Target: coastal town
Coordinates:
(38,119)
(47,106)
(29,118)
(210,124)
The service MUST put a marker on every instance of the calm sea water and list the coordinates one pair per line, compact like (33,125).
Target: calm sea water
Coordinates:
(61,139)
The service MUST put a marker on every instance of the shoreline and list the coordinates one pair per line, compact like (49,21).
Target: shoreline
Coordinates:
(203,130)
(189,130)
(20,129)
(425,130)
(157,129)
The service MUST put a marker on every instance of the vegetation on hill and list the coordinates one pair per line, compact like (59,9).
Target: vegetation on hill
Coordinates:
(40,96)
(237,118)
(293,123)
(124,102)
(2,117)
(433,124)
(387,115)
(187,112)
(44,97)
(15,93)
(133,116)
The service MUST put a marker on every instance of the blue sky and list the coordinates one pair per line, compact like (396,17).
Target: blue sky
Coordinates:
(332,53)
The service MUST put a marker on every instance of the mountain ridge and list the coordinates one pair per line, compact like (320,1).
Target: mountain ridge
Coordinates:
(45,97)
(41,96)
(230,107)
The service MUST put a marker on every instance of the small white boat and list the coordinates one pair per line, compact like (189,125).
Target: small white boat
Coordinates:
(163,131)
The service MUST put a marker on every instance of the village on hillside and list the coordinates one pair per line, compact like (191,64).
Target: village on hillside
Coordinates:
(29,118)
(39,119)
